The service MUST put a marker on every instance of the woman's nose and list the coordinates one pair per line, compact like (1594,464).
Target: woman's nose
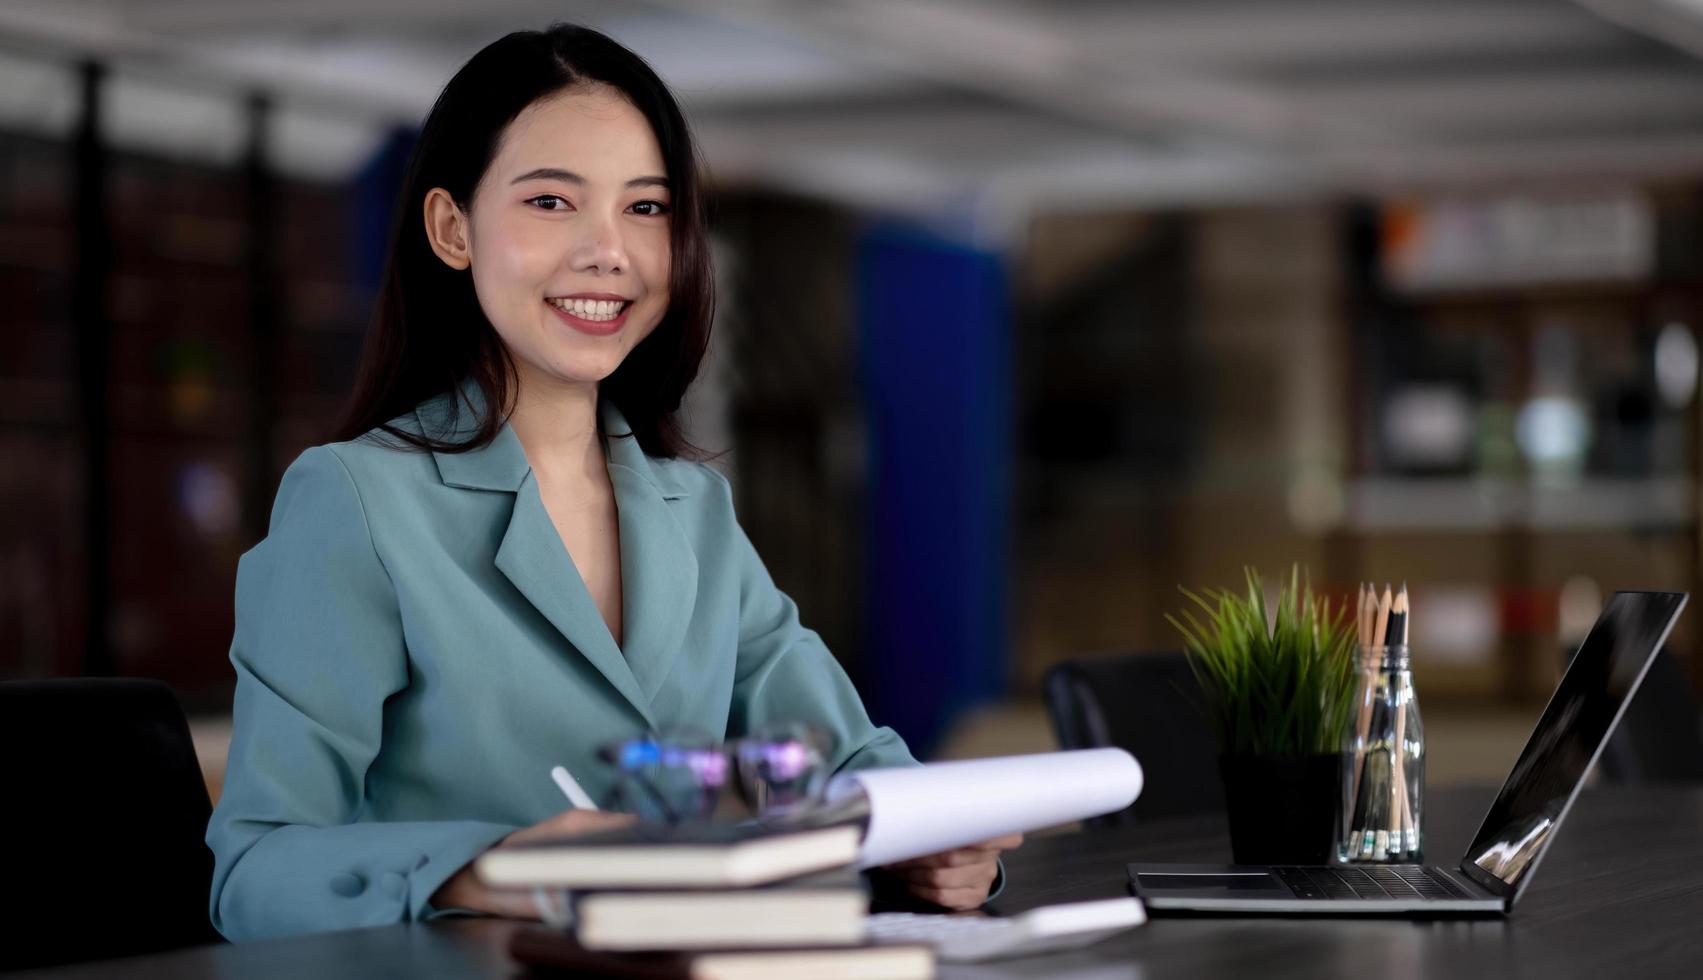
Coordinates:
(599,248)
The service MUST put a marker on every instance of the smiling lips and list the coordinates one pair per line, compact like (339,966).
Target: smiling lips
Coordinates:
(599,315)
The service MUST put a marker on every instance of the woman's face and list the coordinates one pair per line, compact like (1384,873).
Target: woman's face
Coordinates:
(567,236)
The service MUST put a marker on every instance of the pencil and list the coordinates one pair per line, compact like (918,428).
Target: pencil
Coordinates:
(1406,616)
(1360,614)
(1359,814)
(1409,830)
(1398,755)
(1368,611)
(1381,624)
(1398,619)
(1363,715)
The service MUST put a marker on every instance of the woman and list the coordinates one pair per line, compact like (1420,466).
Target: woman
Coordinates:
(508,562)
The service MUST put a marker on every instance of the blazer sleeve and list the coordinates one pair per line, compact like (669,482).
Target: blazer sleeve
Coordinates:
(785,673)
(318,648)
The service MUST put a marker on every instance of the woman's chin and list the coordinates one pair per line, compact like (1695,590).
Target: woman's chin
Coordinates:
(582,373)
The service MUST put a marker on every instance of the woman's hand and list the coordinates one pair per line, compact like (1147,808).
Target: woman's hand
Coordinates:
(958,879)
(465,891)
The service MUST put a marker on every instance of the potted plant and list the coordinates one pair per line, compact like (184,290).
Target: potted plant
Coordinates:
(1280,692)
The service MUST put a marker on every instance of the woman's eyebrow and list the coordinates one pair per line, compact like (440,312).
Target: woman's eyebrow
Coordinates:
(569,177)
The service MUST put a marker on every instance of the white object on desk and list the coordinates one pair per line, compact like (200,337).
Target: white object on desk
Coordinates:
(571,789)
(967,939)
(917,810)
(561,915)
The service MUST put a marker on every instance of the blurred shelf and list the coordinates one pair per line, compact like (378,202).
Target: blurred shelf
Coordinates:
(1515,293)
(37,402)
(1472,504)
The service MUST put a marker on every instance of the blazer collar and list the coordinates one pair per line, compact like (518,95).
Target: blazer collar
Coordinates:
(622,449)
(659,568)
(502,465)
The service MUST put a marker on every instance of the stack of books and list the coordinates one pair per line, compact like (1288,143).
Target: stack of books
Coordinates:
(723,902)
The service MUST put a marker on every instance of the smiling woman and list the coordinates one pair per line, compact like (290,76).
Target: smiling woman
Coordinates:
(584,248)
(570,160)
(508,560)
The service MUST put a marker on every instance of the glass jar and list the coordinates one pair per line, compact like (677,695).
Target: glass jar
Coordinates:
(1384,764)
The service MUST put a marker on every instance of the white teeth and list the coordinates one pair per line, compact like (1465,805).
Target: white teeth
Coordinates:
(590,309)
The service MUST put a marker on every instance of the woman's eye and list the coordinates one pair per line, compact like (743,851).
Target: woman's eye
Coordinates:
(650,208)
(540,199)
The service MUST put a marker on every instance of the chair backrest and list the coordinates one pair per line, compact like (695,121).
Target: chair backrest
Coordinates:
(1150,704)
(1660,738)
(103,822)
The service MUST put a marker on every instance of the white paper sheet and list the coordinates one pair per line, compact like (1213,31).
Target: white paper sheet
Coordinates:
(921,810)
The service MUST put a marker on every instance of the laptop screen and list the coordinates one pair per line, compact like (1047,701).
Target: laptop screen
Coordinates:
(1574,726)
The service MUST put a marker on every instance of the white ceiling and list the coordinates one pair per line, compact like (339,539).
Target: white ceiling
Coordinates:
(991,107)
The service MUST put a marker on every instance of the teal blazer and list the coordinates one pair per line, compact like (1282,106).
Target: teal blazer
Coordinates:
(415,650)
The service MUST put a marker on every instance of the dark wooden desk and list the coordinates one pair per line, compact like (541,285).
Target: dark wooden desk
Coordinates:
(1620,895)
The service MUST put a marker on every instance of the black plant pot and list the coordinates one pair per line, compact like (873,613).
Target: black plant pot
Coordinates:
(1283,809)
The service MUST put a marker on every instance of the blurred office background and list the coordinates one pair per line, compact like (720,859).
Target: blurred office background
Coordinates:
(1030,312)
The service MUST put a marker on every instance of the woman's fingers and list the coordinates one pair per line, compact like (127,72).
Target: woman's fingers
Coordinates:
(967,876)
(588,821)
(955,899)
(569,823)
(956,879)
(511,904)
(945,859)
(969,854)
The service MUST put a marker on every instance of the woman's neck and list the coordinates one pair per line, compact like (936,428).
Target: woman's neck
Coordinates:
(557,427)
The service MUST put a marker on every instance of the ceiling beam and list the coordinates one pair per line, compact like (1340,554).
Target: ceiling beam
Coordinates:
(1018,55)
(73,31)
(1675,23)
(1262,36)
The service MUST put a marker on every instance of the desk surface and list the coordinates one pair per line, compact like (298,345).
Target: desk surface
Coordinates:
(1620,894)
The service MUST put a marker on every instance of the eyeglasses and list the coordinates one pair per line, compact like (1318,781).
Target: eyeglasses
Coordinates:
(683,776)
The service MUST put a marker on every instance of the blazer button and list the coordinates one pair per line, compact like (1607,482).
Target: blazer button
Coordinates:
(394,885)
(348,884)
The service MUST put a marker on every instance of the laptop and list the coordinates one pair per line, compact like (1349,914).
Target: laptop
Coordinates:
(1519,828)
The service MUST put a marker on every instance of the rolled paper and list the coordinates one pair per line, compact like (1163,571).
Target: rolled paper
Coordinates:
(918,810)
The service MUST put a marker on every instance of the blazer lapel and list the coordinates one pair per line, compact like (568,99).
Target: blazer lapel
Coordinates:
(534,559)
(531,555)
(659,570)
(659,580)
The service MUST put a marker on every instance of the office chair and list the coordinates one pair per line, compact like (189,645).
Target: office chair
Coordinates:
(1660,738)
(105,810)
(1150,704)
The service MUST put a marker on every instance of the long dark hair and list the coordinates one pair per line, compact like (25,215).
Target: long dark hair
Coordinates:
(428,332)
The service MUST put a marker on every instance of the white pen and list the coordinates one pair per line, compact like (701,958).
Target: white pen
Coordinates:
(575,793)
(561,915)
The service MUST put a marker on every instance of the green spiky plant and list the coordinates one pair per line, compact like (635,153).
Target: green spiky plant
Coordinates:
(1286,689)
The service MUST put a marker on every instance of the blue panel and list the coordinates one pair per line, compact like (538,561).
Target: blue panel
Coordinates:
(934,334)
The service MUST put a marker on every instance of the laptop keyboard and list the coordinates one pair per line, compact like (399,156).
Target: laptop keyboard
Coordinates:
(1408,881)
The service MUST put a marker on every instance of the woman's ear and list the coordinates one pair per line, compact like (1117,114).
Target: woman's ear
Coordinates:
(446,229)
